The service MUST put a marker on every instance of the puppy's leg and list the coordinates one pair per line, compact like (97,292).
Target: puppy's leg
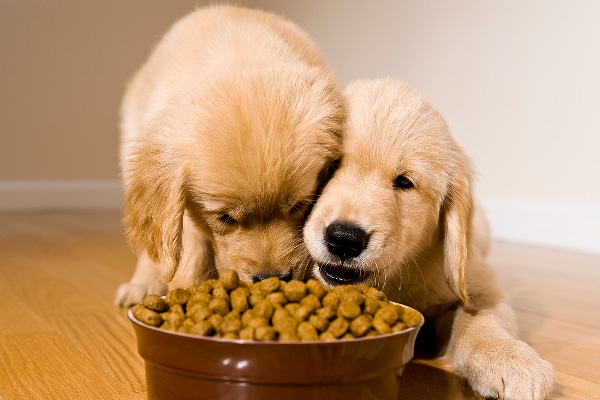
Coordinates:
(484,349)
(143,282)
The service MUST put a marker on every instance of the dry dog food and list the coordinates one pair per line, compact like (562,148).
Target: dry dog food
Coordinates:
(275,310)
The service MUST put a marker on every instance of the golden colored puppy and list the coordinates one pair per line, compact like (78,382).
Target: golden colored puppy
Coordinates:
(226,131)
(399,214)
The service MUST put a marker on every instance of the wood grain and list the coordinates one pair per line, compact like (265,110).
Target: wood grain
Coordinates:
(61,337)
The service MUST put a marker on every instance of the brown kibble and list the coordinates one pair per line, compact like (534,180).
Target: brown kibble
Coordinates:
(312,301)
(215,321)
(352,296)
(177,296)
(239,299)
(331,299)
(327,336)
(291,308)
(219,292)
(230,279)
(314,287)
(288,336)
(265,333)
(199,297)
(255,298)
(269,285)
(327,312)
(247,333)
(361,324)
(264,308)
(388,313)
(381,326)
(411,317)
(256,322)
(319,322)
(219,306)
(199,312)
(303,312)
(277,299)
(285,324)
(348,310)
(399,326)
(338,327)
(231,323)
(155,303)
(247,316)
(146,315)
(371,305)
(306,331)
(294,290)
(203,328)
(373,293)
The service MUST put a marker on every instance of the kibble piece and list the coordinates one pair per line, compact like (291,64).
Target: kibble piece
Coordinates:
(398,326)
(327,336)
(381,326)
(348,335)
(361,324)
(204,328)
(255,298)
(256,322)
(338,327)
(371,305)
(373,293)
(146,315)
(411,317)
(348,310)
(265,333)
(327,312)
(215,321)
(199,312)
(311,300)
(206,286)
(247,333)
(303,312)
(155,303)
(319,322)
(306,331)
(199,297)
(269,285)
(331,299)
(219,292)
(294,290)
(352,296)
(177,296)
(316,288)
(239,299)
(291,308)
(285,324)
(219,306)
(186,325)
(279,314)
(230,279)
(231,323)
(288,336)
(388,313)
(264,308)
(277,299)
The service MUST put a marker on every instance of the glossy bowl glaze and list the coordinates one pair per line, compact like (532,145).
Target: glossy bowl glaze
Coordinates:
(184,366)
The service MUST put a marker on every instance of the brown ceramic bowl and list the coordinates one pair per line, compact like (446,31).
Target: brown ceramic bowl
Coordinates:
(185,366)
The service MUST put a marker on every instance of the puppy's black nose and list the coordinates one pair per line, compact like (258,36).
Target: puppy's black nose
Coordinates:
(345,241)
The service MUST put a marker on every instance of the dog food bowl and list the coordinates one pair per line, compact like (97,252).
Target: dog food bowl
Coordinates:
(185,366)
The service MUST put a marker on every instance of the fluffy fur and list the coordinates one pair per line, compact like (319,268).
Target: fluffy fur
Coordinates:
(225,132)
(399,214)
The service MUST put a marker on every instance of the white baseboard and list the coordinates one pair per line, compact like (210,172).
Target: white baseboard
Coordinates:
(59,195)
(570,227)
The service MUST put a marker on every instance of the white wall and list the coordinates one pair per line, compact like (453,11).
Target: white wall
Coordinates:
(518,82)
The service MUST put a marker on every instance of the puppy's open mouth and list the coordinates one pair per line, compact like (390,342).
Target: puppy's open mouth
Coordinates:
(340,275)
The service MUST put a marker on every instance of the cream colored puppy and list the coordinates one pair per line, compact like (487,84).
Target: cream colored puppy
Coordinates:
(399,214)
(226,131)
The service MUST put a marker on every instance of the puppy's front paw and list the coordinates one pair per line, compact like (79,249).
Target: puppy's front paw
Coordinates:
(131,293)
(508,370)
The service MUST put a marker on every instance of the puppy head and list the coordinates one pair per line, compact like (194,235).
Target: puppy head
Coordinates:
(243,156)
(400,199)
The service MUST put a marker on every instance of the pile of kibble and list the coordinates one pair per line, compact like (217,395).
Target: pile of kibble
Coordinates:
(275,310)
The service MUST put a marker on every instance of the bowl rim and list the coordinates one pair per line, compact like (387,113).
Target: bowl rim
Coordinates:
(277,342)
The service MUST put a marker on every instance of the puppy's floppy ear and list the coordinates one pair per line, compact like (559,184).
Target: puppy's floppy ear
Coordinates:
(457,210)
(153,205)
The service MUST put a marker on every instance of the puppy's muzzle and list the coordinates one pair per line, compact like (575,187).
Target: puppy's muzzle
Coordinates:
(344,241)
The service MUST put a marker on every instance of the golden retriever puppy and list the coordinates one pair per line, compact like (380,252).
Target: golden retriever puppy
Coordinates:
(399,214)
(226,131)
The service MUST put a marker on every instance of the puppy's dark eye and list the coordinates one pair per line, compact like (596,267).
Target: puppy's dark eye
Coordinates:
(402,182)
(226,218)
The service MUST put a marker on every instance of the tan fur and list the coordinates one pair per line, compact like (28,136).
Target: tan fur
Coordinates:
(225,131)
(426,244)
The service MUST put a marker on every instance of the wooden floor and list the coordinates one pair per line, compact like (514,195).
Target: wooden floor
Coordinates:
(61,337)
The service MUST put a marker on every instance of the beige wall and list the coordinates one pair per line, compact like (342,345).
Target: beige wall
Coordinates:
(517,81)
(63,66)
